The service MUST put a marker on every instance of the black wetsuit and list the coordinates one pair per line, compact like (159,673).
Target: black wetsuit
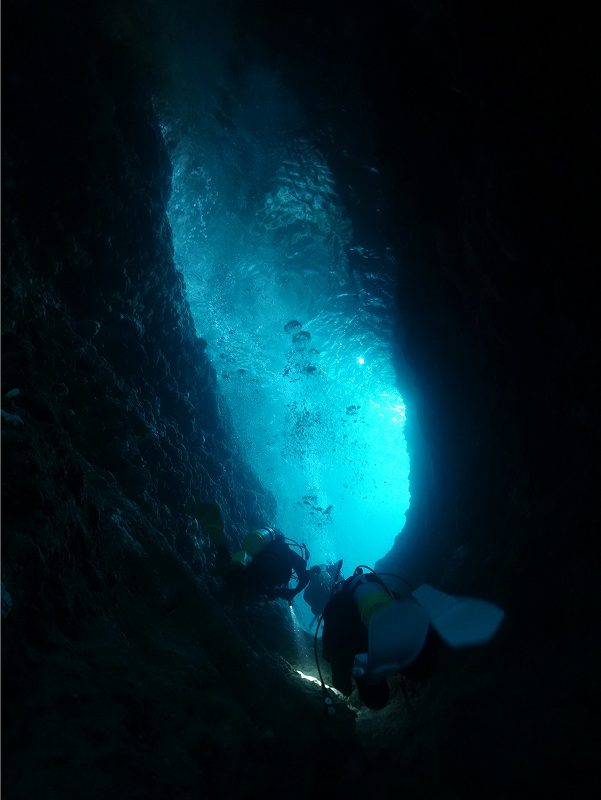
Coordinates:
(270,571)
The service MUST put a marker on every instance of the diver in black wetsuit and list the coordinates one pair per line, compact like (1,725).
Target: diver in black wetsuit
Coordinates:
(371,633)
(269,572)
(265,565)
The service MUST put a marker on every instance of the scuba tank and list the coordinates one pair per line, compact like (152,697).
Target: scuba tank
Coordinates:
(370,597)
(256,540)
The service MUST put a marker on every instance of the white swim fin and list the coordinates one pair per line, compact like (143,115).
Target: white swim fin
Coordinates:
(396,636)
(460,621)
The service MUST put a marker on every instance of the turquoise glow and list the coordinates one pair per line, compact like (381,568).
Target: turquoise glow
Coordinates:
(298,318)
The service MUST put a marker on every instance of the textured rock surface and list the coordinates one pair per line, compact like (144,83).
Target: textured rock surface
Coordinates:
(124,671)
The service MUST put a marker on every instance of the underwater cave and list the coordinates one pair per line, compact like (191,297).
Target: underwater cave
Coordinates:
(331,268)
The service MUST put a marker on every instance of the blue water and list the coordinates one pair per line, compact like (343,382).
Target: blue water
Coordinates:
(297,312)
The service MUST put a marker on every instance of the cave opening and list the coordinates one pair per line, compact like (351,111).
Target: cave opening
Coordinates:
(291,282)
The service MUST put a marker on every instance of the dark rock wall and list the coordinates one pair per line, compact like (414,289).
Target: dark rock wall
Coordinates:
(490,143)
(124,668)
(492,147)
(125,671)
(497,237)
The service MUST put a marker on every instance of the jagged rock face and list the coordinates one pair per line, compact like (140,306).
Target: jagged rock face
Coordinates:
(124,667)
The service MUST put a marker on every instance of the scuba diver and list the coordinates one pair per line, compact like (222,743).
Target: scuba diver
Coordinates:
(371,632)
(263,567)
(270,567)
(321,583)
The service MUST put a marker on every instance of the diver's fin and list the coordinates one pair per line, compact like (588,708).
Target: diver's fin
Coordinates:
(209,517)
(396,636)
(460,621)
